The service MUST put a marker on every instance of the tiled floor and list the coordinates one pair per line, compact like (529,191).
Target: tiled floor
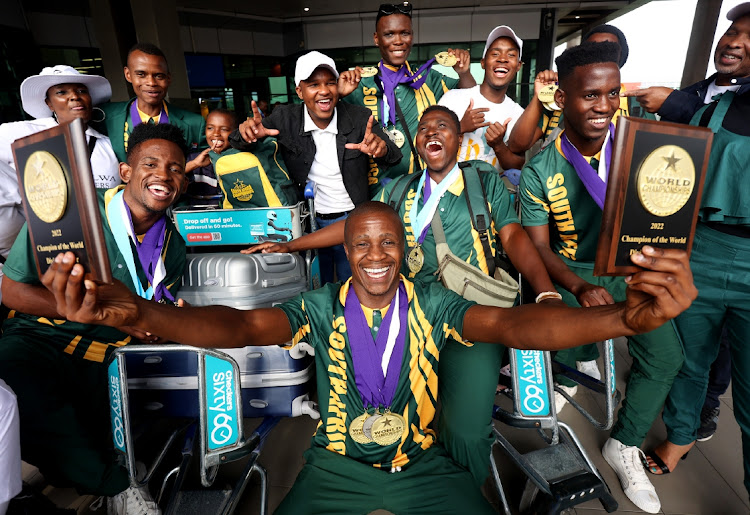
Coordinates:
(709,481)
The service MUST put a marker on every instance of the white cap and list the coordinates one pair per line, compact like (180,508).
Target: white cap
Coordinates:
(34,88)
(503,31)
(738,11)
(311,61)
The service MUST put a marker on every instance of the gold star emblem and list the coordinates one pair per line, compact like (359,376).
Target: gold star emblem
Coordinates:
(671,161)
(387,422)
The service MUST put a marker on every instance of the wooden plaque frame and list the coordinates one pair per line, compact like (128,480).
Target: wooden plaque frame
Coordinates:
(624,216)
(80,227)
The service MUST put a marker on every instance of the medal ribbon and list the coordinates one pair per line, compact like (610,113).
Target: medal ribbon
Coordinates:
(420,219)
(135,117)
(594,183)
(391,79)
(377,385)
(149,251)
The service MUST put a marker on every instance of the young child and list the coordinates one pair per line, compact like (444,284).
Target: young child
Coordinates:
(243,179)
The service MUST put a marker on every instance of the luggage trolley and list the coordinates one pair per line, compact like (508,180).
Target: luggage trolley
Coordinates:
(214,426)
(204,394)
(559,474)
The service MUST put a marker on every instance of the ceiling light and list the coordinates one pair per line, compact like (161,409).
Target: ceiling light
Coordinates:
(307,9)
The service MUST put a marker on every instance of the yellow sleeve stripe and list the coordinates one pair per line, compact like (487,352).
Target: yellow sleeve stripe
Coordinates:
(538,201)
(450,332)
(303,331)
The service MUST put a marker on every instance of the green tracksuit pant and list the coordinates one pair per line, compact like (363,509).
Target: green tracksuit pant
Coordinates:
(721,271)
(332,484)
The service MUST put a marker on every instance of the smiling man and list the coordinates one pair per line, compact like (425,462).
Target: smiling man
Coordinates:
(465,421)
(378,340)
(394,85)
(487,112)
(56,367)
(148,72)
(559,211)
(325,141)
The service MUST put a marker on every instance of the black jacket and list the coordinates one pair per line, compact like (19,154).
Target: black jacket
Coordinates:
(298,147)
(680,106)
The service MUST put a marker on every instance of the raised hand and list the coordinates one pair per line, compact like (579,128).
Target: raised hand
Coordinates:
(661,292)
(253,129)
(349,81)
(495,133)
(473,118)
(371,144)
(544,78)
(463,60)
(651,99)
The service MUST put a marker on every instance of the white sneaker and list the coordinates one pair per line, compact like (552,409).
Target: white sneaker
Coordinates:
(589,368)
(561,401)
(135,500)
(626,462)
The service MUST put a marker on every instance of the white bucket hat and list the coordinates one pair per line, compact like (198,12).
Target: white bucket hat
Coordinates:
(34,88)
(310,62)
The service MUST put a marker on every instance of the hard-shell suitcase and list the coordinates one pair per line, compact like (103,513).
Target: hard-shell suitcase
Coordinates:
(275,381)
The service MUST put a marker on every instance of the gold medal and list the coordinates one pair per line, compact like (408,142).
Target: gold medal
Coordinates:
(547,94)
(396,136)
(368,71)
(388,429)
(551,106)
(45,186)
(446,59)
(367,426)
(666,180)
(355,429)
(415,259)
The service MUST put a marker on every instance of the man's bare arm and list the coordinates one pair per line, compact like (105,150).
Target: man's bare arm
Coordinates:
(33,299)
(659,293)
(525,257)
(586,293)
(326,237)
(115,305)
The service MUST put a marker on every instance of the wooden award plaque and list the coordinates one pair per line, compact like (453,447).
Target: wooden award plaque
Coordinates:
(653,191)
(59,198)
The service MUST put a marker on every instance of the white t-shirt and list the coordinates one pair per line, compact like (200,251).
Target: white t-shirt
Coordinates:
(474,145)
(714,90)
(331,195)
(104,165)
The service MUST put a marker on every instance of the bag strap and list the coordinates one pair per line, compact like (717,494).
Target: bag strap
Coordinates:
(717,117)
(400,187)
(476,199)
(91,145)
(402,118)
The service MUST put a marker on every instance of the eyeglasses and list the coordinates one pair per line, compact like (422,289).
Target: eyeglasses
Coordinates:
(388,9)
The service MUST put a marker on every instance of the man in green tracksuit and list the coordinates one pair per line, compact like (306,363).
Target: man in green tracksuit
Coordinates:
(147,70)
(562,193)
(395,81)
(57,367)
